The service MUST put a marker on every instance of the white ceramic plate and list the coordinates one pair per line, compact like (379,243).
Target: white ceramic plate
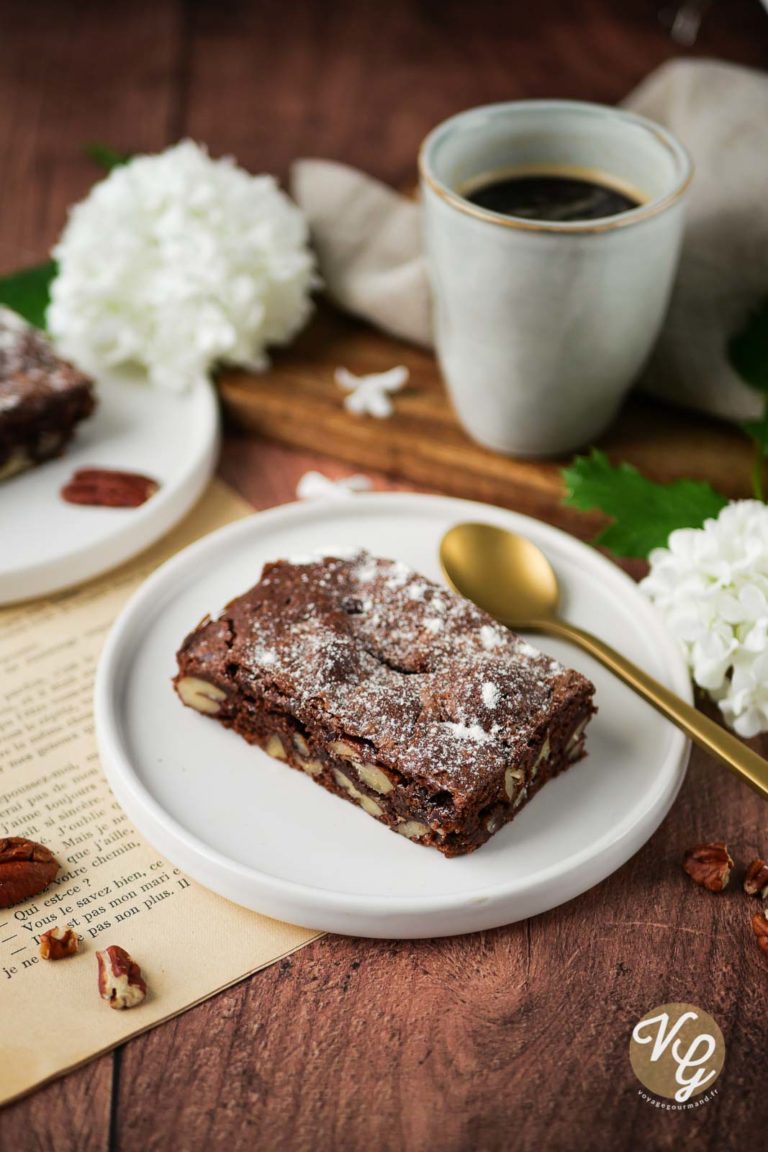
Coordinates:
(269,838)
(47,544)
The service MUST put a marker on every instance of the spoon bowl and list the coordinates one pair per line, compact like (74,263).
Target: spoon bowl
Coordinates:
(504,574)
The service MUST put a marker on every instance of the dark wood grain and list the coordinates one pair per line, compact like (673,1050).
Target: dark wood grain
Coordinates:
(73,1113)
(509,1039)
(298,403)
(364,82)
(515,1038)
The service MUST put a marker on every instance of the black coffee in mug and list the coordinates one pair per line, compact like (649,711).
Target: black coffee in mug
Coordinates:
(550,197)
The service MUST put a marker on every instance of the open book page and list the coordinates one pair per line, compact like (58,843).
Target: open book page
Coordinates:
(113,888)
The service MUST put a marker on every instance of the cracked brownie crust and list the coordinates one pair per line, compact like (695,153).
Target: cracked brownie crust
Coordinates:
(42,398)
(390,692)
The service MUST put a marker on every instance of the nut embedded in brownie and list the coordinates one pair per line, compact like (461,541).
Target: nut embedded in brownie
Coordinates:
(391,692)
(42,398)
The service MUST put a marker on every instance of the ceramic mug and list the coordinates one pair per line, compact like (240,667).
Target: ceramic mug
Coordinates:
(542,327)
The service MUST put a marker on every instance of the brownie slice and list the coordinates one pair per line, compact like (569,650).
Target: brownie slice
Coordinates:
(391,692)
(42,398)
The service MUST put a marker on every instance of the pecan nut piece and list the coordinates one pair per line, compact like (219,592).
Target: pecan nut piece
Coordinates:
(760,929)
(26,869)
(709,865)
(57,943)
(121,983)
(756,879)
(107,488)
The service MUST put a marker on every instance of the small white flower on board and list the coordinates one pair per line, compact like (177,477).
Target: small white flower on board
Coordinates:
(316,486)
(370,395)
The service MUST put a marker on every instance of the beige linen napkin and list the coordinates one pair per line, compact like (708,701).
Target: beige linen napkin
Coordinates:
(369,245)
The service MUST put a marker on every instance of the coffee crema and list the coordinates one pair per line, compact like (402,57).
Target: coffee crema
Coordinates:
(550,197)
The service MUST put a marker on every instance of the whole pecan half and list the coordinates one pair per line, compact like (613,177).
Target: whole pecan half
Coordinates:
(760,929)
(756,878)
(709,865)
(26,869)
(108,488)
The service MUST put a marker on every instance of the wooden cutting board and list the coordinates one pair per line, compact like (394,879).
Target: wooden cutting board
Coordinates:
(297,403)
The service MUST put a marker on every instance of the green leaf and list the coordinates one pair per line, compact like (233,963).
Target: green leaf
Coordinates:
(748,353)
(106,157)
(28,292)
(644,512)
(757,430)
(748,349)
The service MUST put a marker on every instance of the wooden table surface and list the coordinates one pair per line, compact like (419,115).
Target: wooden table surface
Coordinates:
(515,1038)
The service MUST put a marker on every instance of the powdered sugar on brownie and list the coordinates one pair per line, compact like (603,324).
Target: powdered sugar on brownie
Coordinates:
(397,576)
(468,732)
(42,398)
(490,694)
(431,685)
(264,657)
(491,637)
(27,359)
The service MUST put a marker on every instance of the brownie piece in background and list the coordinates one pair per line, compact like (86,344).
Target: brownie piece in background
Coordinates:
(42,398)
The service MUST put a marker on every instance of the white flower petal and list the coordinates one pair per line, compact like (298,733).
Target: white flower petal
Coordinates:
(316,486)
(369,395)
(711,587)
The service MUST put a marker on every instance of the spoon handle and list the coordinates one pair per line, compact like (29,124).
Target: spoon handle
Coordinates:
(705,732)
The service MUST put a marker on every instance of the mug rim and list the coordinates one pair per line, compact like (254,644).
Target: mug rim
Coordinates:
(625,219)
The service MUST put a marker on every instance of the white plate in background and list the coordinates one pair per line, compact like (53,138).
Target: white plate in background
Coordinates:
(269,838)
(47,544)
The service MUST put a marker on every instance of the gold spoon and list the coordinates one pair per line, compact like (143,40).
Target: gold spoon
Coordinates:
(512,580)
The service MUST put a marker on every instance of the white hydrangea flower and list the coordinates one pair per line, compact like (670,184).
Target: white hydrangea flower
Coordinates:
(178,262)
(711,586)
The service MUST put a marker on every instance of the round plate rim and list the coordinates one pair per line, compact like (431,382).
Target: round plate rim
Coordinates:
(288,894)
(149,523)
